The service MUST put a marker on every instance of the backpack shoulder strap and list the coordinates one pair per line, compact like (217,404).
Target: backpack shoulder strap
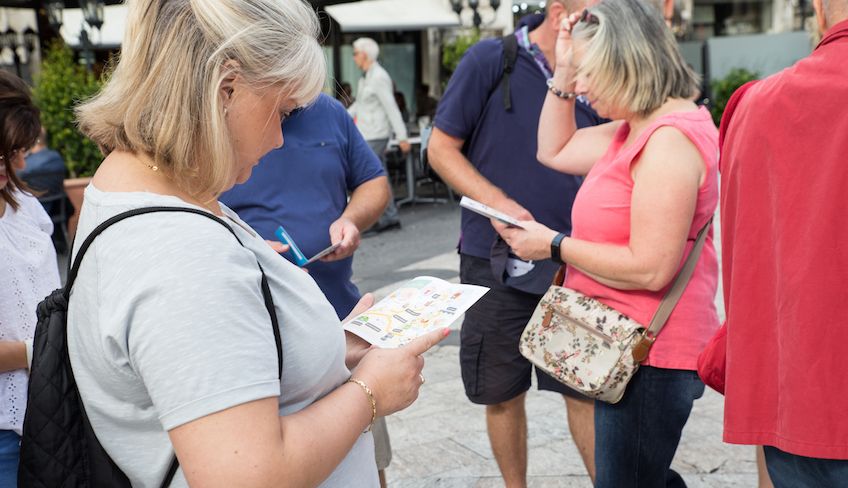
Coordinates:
(510,54)
(266,289)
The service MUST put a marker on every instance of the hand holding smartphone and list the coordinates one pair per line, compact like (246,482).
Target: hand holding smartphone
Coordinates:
(299,258)
(487,211)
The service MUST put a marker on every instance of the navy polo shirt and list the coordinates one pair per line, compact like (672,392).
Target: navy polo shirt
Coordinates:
(303,186)
(502,144)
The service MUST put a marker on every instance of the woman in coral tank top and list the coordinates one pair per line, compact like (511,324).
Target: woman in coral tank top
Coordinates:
(651,184)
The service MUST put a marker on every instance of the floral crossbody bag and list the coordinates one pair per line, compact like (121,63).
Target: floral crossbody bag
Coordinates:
(592,347)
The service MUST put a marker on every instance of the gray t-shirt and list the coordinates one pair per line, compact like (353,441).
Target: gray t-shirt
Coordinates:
(167,324)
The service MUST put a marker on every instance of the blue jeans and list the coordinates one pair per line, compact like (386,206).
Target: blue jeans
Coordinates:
(10,451)
(793,471)
(636,438)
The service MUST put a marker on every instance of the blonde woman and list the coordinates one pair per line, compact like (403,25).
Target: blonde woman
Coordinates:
(168,334)
(651,185)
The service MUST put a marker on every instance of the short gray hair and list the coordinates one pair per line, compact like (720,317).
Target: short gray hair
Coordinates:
(368,46)
(632,57)
(163,97)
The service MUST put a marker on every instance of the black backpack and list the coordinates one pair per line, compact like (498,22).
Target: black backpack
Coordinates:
(59,447)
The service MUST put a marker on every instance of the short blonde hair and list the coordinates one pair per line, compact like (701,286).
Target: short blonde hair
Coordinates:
(631,56)
(163,98)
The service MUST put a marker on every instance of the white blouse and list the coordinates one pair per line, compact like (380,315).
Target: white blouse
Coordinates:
(28,273)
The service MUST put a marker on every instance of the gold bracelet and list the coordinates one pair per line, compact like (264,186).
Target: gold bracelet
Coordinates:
(370,398)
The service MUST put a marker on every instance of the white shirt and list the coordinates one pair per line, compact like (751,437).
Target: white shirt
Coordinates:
(375,111)
(28,273)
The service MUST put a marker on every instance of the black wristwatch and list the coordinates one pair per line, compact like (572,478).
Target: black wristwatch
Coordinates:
(555,244)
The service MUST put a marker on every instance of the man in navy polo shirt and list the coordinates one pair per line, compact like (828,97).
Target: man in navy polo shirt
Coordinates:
(489,153)
(304,187)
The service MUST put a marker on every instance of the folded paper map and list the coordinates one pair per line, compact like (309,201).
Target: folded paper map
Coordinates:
(417,307)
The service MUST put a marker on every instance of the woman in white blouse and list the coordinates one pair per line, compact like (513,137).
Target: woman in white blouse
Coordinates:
(28,270)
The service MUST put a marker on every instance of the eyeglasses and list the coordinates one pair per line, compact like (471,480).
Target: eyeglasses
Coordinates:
(589,18)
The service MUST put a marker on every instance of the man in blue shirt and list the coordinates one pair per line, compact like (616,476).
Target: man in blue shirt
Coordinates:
(488,152)
(45,172)
(304,187)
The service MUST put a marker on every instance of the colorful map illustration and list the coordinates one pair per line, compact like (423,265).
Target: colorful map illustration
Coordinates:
(417,307)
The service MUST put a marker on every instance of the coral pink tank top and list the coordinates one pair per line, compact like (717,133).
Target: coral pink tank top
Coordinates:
(601,213)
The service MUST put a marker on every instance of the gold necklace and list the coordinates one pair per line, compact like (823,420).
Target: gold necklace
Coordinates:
(152,167)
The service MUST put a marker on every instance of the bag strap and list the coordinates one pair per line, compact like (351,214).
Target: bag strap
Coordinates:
(674,293)
(672,296)
(266,289)
(510,54)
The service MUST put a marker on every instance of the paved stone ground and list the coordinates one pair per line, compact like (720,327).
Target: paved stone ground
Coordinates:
(441,440)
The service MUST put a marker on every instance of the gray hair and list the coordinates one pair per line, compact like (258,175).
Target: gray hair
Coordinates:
(632,58)
(163,97)
(368,46)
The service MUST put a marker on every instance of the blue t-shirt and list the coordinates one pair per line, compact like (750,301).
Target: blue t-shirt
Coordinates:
(303,186)
(502,145)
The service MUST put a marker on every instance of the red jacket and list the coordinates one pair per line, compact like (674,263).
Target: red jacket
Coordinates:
(784,213)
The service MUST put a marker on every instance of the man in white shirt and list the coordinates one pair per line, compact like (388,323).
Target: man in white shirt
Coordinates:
(376,113)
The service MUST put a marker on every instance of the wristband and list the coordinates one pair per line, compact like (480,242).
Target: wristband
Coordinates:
(370,399)
(556,256)
(559,93)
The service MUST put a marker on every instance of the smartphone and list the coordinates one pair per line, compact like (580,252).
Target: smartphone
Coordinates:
(487,211)
(285,238)
(323,253)
(299,258)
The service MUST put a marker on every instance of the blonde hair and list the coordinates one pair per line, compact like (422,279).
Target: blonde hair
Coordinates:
(164,99)
(631,57)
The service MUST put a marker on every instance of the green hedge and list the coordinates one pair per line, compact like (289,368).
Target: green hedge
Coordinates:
(723,88)
(61,84)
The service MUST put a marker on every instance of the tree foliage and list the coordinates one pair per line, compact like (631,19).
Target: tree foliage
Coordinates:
(61,84)
(453,51)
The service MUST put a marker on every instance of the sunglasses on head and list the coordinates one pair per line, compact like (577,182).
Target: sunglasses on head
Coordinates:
(589,17)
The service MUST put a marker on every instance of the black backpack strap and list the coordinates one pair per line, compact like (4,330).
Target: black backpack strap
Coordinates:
(172,470)
(510,54)
(266,289)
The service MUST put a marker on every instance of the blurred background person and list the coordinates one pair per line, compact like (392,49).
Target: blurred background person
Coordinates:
(425,104)
(304,187)
(45,172)
(28,269)
(377,114)
(651,184)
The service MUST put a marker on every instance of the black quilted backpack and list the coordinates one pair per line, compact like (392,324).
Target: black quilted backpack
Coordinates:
(59,448)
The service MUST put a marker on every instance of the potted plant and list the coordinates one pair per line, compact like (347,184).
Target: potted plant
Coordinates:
(60,85)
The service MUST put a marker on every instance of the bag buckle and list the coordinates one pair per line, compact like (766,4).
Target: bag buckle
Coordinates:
(546,320)
(643,347)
